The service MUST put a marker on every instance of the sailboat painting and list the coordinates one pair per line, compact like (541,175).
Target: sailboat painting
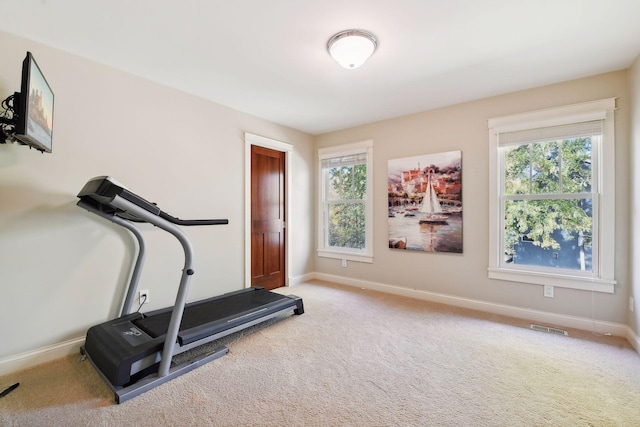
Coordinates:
(425,202)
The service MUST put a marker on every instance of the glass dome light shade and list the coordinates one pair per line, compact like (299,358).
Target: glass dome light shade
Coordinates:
(352,48)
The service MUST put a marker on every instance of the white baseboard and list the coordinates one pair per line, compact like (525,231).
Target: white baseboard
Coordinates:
(543,317)
(633,339)
(40,355)
(301,279)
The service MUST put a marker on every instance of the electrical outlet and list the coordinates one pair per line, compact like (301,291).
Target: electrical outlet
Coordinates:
(344,263)
(548,291)
(631,304)
(143,297)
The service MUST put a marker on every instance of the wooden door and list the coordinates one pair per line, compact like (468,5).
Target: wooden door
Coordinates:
(267,217)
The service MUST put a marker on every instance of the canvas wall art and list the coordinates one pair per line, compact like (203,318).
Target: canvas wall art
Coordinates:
(425,202)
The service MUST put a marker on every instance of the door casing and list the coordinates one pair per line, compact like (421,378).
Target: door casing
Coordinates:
(261,141)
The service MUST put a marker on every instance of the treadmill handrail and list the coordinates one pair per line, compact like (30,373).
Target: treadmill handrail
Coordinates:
(187,272)
(137,269)
(179,221)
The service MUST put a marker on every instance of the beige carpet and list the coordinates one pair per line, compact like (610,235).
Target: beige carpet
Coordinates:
(361,358)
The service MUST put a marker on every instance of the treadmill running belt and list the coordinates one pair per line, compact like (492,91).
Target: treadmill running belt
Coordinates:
(210,311)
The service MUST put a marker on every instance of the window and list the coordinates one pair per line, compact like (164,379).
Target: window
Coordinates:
(345,206)
(552,197)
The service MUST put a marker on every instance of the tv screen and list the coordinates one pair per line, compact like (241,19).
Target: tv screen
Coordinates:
(34,107)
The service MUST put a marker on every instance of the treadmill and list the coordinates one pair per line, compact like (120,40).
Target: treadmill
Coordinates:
(135,352)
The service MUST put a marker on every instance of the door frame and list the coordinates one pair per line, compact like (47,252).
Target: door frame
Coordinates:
(261,141)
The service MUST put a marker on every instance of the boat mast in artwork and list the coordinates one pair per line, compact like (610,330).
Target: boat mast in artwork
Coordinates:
(430,207)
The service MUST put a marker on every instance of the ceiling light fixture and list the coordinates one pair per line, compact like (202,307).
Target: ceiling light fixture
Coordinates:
(351,48)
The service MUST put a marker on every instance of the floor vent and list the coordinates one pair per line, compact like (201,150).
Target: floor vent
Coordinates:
(550,330)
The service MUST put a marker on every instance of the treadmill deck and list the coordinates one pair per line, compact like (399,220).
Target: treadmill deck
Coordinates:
(214,315)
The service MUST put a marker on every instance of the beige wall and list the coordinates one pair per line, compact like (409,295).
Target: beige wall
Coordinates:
(62,270)
(464,127)
(634,77)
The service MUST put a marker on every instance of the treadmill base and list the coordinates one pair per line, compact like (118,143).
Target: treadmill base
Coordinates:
(122,394)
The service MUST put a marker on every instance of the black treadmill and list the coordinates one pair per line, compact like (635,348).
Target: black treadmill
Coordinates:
(135,352)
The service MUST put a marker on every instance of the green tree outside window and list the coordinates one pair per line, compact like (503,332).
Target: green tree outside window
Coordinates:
(347,191)
(554,179)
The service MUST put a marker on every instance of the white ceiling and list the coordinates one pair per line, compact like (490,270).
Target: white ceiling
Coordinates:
(268,57)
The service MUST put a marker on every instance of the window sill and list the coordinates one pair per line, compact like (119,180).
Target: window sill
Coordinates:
(559,280)
(350,256)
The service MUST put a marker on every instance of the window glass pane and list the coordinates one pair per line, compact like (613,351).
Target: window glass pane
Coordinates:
(549,233)
(545,167)
(517,164)
(576,165)
(346,225)
(347,182)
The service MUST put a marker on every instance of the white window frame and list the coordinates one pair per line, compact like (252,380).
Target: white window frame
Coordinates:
(603,193)
(324,250)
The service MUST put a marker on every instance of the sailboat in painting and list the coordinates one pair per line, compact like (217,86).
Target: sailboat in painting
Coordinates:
(430,208)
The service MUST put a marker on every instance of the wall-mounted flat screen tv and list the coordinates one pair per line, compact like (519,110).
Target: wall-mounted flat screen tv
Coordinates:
(34,108)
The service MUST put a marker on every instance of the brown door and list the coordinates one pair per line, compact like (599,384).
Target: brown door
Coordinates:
(267,217)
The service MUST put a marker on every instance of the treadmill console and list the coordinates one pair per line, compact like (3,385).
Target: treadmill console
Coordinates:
(100,192)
